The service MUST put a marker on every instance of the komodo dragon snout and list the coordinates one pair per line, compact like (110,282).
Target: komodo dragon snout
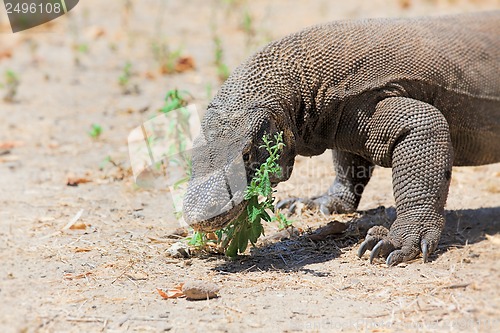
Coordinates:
(225,159)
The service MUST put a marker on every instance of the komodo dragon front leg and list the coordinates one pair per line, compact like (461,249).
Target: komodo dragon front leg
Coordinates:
(413,138)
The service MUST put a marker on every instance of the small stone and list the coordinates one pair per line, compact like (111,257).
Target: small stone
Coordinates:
(198,290)
(178,250)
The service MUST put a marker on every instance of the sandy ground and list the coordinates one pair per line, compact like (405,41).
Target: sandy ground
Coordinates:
(104,276)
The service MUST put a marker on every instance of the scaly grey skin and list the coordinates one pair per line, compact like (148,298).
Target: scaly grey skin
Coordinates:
(417,95)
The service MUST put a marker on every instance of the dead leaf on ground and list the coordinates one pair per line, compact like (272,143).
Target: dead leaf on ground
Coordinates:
(157,240)
(10,144)
(184,64)
(82,249)
(405,4)
(95,32)
(288,233)
(75,181)
(211,236)
(493,189)
(69,276)
(78,226)
(179,250)
(332,228)
(5,54)
(175,292)
(149,75)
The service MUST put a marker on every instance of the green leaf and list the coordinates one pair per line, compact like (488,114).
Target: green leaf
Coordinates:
(265,216)
(254,214)
(256,231)
(232,250)
(243,239)
(266,186)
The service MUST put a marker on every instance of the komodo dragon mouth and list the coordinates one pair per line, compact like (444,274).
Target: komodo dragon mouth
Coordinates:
(219,221)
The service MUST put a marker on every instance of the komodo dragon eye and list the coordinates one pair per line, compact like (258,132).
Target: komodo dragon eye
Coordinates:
(246,153)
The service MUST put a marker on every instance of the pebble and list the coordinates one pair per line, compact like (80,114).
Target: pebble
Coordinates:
(198,290)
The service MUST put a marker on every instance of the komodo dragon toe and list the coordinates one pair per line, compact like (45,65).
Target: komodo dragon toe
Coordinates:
(404,242)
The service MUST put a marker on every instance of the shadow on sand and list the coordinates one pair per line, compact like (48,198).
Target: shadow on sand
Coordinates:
(466,226)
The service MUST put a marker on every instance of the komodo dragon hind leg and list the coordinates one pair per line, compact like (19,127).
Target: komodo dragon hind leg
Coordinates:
(413,137)
(352,174)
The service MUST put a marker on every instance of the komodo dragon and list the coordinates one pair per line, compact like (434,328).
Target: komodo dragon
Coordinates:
(418,95)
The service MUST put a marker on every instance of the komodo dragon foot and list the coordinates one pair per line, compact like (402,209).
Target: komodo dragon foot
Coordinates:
(412,137)
(404,241)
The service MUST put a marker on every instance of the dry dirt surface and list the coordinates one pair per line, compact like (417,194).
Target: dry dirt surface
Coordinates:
(90,257)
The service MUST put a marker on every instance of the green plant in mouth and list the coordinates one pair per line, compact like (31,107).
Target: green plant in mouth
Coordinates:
(248,227)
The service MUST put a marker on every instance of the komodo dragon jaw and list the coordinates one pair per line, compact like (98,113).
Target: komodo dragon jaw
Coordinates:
(215,199)
(225,159)
(219,221)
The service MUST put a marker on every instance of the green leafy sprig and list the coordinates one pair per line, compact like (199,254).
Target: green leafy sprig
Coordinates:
(234,238)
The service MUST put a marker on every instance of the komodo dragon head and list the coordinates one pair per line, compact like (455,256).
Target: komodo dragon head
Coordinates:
(226,156)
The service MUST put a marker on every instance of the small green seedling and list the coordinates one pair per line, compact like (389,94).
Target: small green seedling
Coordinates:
(249,29)
(178,132)
(95,131)
(82,48)
(247,24)
(166,58)
(126,74)
(175,99)
(124,80)
(259,194)
(222,69)
(105,162)
(11,83)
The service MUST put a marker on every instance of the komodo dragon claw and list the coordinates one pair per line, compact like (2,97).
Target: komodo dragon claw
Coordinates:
(377,241)
(382,244)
